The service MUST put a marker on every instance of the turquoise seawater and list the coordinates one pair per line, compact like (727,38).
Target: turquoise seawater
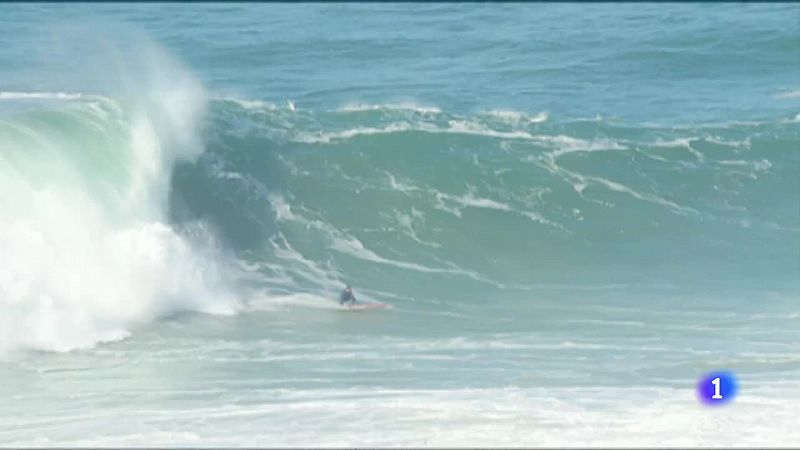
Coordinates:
(575,210)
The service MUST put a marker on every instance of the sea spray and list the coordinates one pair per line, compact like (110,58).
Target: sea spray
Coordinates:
(86,247)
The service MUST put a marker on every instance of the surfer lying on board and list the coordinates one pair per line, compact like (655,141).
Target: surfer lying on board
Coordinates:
(347,297)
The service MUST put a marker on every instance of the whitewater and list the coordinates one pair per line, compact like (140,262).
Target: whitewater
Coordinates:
(571,227)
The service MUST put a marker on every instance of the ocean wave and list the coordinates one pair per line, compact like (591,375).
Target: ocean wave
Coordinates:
(115,163)
(88,247)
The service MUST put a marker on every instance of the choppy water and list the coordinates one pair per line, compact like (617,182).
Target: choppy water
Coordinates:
(575,211)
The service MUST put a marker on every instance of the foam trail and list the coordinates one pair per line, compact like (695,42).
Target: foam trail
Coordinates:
(580,182)
(349,245)
(681,143)
(406,223)
(469,200)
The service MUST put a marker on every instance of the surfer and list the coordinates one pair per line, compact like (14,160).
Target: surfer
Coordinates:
(347,297)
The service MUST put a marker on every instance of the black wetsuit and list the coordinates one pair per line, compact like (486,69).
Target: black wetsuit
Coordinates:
(347,297)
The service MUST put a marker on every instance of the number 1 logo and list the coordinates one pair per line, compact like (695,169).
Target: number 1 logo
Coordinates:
(717,388)
(717,395)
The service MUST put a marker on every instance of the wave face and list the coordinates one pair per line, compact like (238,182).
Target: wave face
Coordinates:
(422,202)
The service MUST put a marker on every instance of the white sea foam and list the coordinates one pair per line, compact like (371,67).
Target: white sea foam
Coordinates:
(88,256)
(475,128)
(328,137)
(400,185)
(454,204)
(580,182)
(407,225)
(464,417)
(346,244)
(249,104)
(472,127)
(402,106)
(760,166)
(566,144)
(467,127)
(788,94)
(685,143)
(275,302)
(516,117)
(40,96)
(325,277)
(744,143)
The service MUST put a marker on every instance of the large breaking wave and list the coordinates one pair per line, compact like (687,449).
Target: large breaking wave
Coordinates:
(117,210)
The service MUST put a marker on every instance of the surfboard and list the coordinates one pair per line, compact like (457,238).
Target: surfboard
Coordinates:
(365,306)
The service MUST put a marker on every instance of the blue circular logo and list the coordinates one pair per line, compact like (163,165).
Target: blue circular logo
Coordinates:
(717,388)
